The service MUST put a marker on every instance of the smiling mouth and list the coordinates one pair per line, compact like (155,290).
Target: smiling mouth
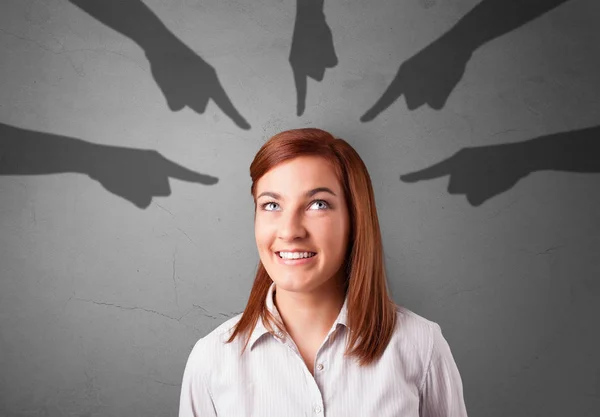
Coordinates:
(295,255)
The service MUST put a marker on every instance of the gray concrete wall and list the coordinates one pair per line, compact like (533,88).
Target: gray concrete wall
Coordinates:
(127,130)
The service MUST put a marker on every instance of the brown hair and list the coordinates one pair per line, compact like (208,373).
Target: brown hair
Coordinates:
(371,311)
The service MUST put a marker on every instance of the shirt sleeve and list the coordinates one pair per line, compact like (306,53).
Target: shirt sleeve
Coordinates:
(442,390)
(195,399)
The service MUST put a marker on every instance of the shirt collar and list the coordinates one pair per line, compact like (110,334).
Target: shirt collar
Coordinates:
(260,329)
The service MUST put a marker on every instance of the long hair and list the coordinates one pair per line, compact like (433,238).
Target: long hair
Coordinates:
(371,311)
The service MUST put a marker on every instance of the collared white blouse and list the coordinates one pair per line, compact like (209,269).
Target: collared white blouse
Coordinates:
(416,376)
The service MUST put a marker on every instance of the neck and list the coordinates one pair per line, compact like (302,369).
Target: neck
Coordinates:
(309,315)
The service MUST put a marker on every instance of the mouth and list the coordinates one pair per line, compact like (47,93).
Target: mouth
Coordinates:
(295,255)
(296,258)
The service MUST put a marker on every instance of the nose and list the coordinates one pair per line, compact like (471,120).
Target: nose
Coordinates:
(291,227)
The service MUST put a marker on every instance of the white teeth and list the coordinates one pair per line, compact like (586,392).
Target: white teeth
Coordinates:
(295,255)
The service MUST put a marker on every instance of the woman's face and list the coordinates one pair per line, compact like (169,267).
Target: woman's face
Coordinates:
(301,207)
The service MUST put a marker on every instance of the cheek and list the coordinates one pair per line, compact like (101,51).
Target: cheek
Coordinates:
(262,234)
(334,235)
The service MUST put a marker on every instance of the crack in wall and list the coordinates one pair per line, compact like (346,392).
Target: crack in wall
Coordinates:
(147,310)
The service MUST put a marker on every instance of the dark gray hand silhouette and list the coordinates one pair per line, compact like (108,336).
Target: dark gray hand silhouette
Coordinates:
(312,49)
(478,173)
(184,78)
(136,175)
(427,78)
(432,74)
(484,172)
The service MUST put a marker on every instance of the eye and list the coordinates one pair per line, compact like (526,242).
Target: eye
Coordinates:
(323,202)
(264,206)
(268,205)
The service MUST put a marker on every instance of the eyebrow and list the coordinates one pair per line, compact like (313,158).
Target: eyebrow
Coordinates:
(309,193)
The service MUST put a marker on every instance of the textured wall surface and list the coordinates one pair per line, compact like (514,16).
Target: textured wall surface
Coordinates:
(126,133)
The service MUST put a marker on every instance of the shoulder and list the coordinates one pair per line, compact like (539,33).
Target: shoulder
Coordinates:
(426,332)
(222,332)
(414,326)
(413,339)
(413,334)
(212,348)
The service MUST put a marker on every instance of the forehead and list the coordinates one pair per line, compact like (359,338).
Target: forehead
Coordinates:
(298,175)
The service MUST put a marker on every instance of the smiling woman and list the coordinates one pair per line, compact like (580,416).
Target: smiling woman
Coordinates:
(309,218)
(320,334)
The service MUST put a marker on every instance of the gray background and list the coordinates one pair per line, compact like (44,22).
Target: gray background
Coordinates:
(114,261)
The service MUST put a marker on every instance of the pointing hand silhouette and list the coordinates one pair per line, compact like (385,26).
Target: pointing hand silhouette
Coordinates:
(138,174)
(427,78)
(185,79)
(483,172)
(430,76)
(479,173)
(312,48)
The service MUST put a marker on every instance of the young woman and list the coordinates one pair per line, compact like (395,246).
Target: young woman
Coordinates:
(320,335)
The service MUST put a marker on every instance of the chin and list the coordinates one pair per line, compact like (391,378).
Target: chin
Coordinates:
(290,283)
(293,284)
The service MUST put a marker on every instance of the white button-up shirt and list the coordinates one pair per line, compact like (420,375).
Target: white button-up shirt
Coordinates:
(415,376)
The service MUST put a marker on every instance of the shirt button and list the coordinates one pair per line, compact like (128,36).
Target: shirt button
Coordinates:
(318,409)
(320,367)
(280,334)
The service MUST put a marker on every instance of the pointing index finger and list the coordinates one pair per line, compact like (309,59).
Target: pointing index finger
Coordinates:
(173,170)
(390,95)
(435,171)
(223,101)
